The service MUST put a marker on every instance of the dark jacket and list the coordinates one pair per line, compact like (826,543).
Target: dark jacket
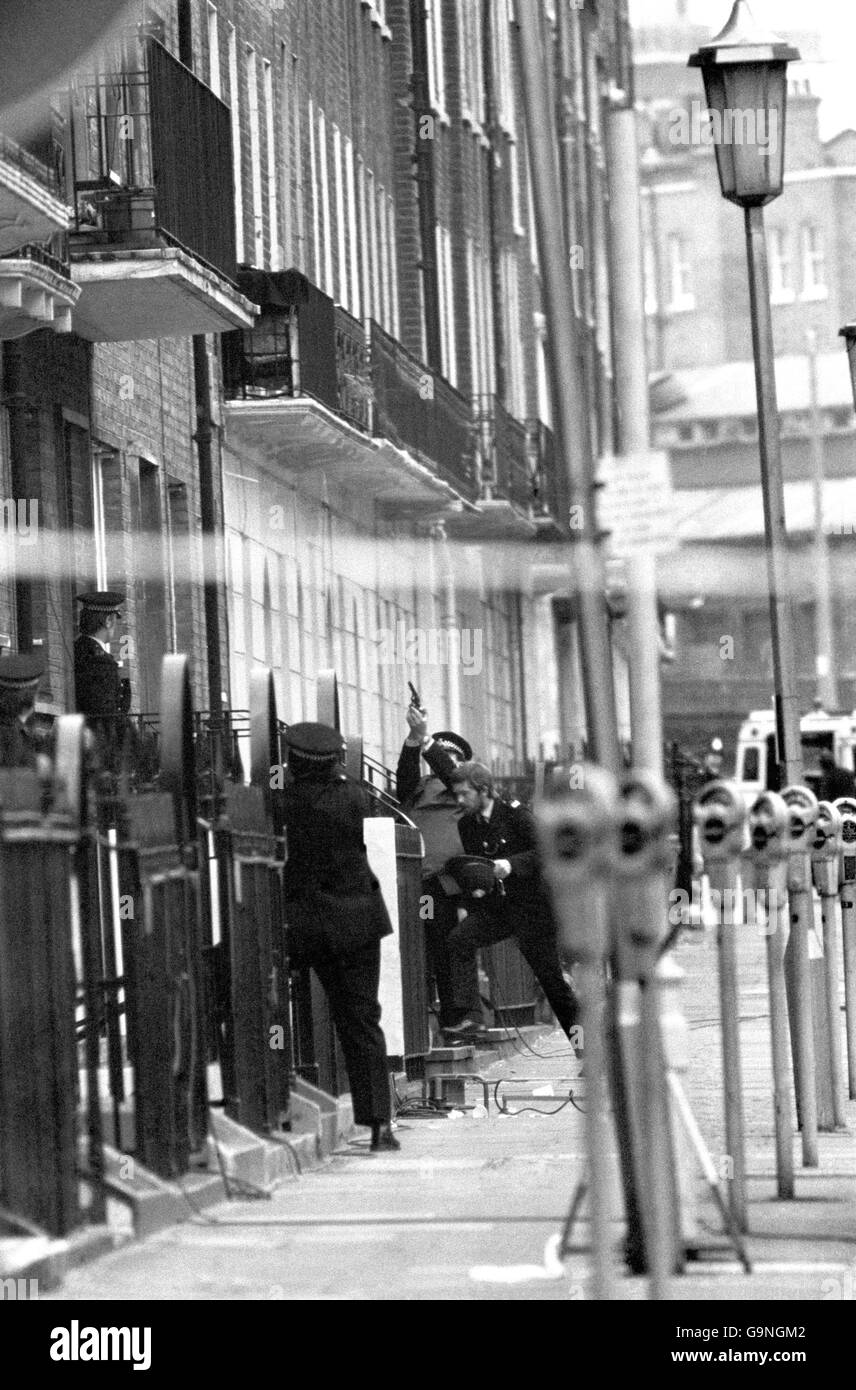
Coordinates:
(17,744)
(511,834)
(333,900)
(96,680)
(835,782)
(430,804)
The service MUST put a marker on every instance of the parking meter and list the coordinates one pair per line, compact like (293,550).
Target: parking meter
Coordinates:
(642,857)
(768,854)
(802,817)
(846,808)
(576,828)
(825,861)
(826,849)
(720,816)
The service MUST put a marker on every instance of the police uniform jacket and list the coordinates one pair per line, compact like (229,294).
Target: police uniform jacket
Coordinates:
(17,745)
(96,680)
(334,904)
(511,834)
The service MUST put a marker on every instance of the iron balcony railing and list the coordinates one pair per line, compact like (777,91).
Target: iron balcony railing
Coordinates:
(28,163)
(41,256)
(549,483)
(300,345)
(422,413)
(152,159)
(507,464)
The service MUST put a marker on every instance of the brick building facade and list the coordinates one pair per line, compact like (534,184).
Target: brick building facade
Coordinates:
(333,208)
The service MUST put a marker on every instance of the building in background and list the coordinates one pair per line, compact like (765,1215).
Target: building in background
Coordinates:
(333,201)
(703,392)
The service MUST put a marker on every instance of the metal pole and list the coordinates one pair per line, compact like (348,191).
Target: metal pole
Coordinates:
(801,906)
(848,935)
(775,885)
(828,902)
(723,882)
(827,681)
(567,378)
(781,616)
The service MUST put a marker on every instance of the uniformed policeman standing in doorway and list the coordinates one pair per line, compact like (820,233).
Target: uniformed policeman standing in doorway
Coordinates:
(101,694)
(19,683)
(335,911)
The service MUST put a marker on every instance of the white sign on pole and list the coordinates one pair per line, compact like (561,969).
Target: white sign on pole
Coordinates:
(636,503)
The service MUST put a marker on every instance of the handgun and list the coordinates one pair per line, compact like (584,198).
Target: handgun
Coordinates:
(414,696)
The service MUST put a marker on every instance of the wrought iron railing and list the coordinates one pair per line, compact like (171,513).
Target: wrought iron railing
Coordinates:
(422,413)
(506,464)
(41,256)
(152,159)
(550,488)
(13,153)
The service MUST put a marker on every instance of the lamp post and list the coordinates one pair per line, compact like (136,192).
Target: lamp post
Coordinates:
(745,78)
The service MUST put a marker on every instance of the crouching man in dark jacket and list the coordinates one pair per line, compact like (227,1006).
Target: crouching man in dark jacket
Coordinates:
(519,905)
(335,911)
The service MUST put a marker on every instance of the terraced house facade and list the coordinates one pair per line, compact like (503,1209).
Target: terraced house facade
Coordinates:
(274,357)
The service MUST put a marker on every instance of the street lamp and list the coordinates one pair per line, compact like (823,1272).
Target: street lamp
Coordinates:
(848,333)
(745,78)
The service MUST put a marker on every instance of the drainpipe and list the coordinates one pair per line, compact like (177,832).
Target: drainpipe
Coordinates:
(207,488)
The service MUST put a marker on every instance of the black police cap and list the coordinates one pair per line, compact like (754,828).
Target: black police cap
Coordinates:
(104,601)
(454,744)
(20,674)
(315,742)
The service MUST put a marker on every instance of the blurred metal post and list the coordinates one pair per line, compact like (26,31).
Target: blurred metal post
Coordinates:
(567,380)
(824,632)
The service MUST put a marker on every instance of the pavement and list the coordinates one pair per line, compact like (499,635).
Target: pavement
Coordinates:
(471,1207)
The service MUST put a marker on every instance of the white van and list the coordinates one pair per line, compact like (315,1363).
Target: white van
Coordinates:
(755,766)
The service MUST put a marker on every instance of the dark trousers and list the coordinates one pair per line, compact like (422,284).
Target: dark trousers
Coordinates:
(537,945)
(351,984)
(456,976)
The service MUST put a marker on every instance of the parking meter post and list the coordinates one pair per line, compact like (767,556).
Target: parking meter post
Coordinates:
(720,817)
(802,814)
(647,813)
(768,821)
(576,828)
(825,857)
(846,808)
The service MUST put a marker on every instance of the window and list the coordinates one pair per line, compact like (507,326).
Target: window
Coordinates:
(813,262)
(255,159)
(681,297)
(781,267)
(344,293)
(213,51)
(374,277)
(313,181)
(353,239)
(386,297)
(516,389)
(436,65)
(393,268)
(481,324)
(365,248)
(471,62)
(327,241)
(514,179)
(502,66)
(650,272)
(236,144)
(447,302)
(273,219)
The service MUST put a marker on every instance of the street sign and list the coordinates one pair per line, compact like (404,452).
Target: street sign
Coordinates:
(636,503)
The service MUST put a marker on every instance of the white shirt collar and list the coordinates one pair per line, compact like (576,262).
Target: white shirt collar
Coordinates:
(103,645)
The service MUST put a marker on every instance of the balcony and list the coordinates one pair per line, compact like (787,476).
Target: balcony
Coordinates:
(31,209)
(507,478)
(36,291)
(153,236)
(308,390)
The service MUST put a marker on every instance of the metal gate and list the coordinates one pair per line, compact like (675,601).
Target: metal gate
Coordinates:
(42,974)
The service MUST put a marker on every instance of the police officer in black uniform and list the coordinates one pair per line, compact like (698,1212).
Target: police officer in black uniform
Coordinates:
(335,911)
(19,683)
(101,694)
(431,804)
(519,905)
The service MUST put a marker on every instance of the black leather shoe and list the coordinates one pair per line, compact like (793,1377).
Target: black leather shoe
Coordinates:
(383,1138)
